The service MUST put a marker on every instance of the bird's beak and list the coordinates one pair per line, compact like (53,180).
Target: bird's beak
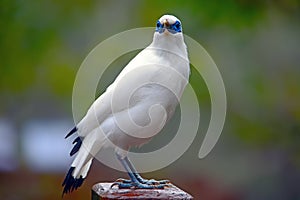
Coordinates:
(166,23)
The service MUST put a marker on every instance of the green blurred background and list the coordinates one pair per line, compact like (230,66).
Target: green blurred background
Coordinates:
(255,44)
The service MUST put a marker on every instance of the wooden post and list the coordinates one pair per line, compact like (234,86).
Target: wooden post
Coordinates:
(103,191)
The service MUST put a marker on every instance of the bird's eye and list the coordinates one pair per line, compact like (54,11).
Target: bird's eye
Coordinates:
(158,24)
(177,25)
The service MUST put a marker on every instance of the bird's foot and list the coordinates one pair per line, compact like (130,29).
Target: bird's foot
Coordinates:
(138,185)
(144,181)
(154,182)
(122,180)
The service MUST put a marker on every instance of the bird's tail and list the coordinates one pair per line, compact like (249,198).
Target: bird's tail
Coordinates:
(78,171)
(73,182)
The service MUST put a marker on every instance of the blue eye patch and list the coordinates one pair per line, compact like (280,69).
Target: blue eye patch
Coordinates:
(173,28)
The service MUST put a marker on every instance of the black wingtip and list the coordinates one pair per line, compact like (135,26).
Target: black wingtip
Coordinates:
(70,183)
(71,132)
(77,146)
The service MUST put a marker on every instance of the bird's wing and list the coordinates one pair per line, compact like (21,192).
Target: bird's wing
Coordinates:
(95,115)
(101,109)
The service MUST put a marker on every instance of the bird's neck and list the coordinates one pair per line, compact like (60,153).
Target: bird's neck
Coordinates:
(170,43)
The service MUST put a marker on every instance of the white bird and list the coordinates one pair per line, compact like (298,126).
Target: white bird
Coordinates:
(135,107)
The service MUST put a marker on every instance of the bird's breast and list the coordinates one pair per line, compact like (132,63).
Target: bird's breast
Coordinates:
(155,76)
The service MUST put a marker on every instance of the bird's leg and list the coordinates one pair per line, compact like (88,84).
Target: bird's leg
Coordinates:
(134,183)
(140,178)
(127,168)
(134,172)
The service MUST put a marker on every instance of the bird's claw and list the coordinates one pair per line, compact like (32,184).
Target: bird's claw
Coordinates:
(138,185)
(122,180)
(141,183)
(155,182)
(144,181)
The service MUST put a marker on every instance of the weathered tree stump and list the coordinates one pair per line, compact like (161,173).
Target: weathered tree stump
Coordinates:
(103,191)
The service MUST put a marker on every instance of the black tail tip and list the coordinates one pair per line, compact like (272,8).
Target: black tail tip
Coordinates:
(71,132)
(70,183)
(77,146)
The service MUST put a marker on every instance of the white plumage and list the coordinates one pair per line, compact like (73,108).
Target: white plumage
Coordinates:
(136,106)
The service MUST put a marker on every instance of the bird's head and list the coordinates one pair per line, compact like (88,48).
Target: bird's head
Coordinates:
(168,35)
(168,24)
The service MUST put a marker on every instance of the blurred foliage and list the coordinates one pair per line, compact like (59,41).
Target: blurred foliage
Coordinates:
(233,13)
(210,13)
(31,41)
(33,50)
